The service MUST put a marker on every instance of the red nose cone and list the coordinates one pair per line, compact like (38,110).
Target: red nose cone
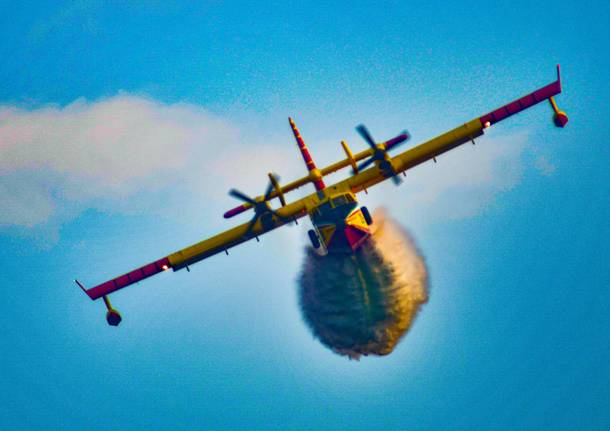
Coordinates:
(113,318)
(560,119)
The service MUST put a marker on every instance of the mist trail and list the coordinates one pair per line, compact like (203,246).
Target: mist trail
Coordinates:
(363,303)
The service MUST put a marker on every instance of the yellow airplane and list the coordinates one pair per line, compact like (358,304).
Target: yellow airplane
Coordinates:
(339,225)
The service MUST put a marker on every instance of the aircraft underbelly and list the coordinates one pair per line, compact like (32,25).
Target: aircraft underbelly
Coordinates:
(348,239)
(345,235)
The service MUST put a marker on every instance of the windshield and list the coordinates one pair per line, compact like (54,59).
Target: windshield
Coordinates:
(342,200)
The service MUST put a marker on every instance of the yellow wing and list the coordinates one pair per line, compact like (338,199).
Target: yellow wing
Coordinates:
(232,237)
(453,138)
(206,248)
(357,183)
(414,156)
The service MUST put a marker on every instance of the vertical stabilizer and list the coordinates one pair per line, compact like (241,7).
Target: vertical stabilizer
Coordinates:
(314,173)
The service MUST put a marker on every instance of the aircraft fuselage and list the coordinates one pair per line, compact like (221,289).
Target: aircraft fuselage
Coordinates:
(340,224)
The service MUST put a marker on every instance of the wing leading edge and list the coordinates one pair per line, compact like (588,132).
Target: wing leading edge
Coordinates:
(363,180)
(467,132)
(199,251)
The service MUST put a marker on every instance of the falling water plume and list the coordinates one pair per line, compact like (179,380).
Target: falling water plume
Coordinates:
(363,303)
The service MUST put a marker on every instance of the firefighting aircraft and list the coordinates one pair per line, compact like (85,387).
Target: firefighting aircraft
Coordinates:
(339,225)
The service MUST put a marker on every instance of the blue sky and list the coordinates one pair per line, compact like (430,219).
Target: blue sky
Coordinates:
(515,230)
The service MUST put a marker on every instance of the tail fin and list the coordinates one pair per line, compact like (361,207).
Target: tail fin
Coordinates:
(314,173)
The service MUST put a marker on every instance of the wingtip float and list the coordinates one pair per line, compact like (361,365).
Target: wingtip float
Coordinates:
(340,225)
(547,92)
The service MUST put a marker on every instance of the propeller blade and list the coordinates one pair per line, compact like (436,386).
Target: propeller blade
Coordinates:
(367,162)
(252,223)
(364,132)
(239,195)
(275,179)
(268,191)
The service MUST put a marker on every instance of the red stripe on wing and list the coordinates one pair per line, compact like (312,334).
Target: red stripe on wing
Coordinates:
(129,278)
(523,103)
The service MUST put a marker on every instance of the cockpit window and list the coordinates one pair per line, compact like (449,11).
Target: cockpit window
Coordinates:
(340,200)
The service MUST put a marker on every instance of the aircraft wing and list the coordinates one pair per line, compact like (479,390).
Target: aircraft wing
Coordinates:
(357,183)
(202,250)
(465,133)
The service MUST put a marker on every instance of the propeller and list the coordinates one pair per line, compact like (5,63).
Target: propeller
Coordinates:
(381,154)
(260,206)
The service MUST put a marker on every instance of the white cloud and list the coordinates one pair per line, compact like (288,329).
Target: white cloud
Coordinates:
(545,166)
(471,176)
(24,199)
(107,145)
(53,158)
(125,152)
(463,182)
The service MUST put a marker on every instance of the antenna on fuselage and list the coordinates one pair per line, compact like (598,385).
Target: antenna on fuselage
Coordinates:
(314,173)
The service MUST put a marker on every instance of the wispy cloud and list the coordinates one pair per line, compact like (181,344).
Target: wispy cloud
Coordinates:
(463,183)
(54,158)
(545,166)
(78,12)
(122,153)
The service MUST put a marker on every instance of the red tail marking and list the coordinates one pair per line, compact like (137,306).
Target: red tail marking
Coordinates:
(318,183)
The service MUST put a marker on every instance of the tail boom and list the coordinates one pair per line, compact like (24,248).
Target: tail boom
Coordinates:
(317,180)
